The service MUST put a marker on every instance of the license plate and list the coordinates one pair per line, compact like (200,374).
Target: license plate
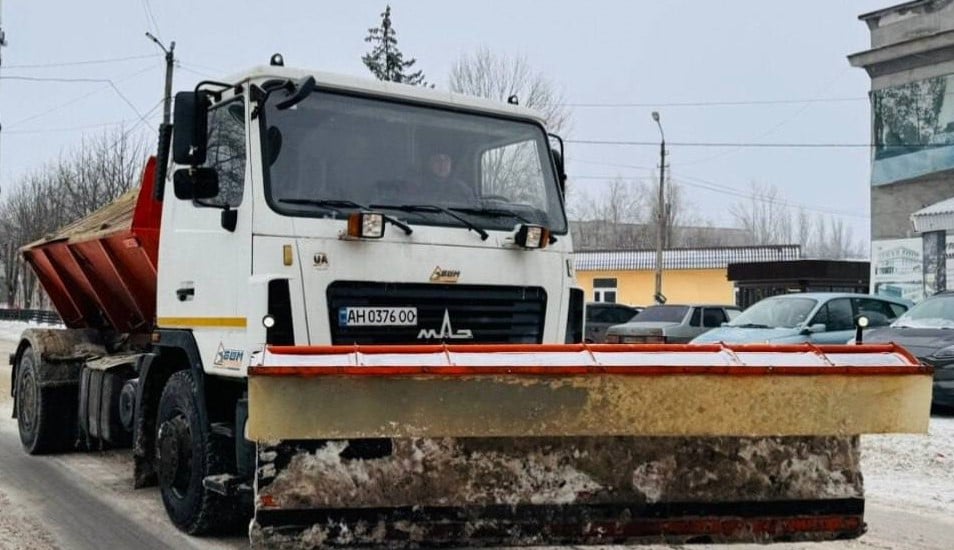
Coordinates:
(377,317)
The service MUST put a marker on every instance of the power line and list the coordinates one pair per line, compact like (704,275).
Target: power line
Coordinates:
(728,103)
(77,99)
(746,144)
(150,17)
(82,80)
(72,128)
(84,62)
(726,190)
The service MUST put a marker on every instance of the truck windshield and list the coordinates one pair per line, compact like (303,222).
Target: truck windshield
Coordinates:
(494,172)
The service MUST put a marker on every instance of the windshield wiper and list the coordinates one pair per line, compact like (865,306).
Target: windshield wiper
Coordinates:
(434,208)
(750,325)
(491,213)
(338,204)
(497,213)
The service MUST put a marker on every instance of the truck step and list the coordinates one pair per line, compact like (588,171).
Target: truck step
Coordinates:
(228,485)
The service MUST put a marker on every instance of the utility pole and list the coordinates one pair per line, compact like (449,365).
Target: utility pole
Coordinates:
(3,40)
(170,61)
(659,297)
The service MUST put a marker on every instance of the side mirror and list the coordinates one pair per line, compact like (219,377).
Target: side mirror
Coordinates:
(196,183)
(561,171)
(815,329)
(190,128)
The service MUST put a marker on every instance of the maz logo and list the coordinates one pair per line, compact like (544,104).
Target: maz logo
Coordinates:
(447,331)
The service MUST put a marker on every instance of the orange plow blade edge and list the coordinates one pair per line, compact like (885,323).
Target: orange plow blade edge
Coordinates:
(570,444)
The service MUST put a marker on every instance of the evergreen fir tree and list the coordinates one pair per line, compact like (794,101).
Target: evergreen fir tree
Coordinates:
(385,60)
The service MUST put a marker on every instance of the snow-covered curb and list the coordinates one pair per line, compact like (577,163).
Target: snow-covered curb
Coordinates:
(915,470)
(10,331)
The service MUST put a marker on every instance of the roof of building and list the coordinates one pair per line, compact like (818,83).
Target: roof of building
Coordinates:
(684,258)
(800,270)
(903,7)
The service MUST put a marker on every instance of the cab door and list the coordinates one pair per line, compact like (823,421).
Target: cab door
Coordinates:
(204,267)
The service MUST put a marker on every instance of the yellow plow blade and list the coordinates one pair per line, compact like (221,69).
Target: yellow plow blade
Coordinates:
(518,445)
(305,393)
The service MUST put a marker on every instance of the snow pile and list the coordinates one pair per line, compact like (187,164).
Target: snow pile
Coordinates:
(912,469)
(10,331)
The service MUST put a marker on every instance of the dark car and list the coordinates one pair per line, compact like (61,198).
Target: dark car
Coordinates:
(602,315)
(927,331)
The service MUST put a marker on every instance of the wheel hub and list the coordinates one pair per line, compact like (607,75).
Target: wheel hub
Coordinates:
(174,448)
(26,405)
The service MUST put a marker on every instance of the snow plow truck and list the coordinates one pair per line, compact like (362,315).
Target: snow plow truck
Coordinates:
(344,313)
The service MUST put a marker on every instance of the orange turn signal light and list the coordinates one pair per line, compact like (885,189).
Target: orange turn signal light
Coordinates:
(366,225)
(532,236)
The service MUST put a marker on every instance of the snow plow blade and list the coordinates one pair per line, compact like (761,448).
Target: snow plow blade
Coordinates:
(570,444)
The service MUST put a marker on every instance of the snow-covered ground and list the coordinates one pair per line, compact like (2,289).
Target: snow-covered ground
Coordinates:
(10,331)
(909,484)
(915,471)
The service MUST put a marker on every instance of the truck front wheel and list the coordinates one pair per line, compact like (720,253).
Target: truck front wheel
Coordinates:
(46,416)
(186,453)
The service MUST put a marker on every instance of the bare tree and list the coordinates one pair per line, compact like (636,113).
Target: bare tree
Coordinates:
(101,169)
(768,219)
(764,215)
(486,74)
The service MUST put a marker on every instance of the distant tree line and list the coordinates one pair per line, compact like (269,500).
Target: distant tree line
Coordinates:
(624,217)
(97,171)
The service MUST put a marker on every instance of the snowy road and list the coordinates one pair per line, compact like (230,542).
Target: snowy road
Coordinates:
(86,500)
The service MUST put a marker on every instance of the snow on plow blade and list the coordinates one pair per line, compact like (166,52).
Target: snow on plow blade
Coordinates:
(574,444)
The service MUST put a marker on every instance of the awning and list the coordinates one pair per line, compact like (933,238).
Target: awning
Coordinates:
(936,217)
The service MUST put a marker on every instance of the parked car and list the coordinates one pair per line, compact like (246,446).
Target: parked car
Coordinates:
(927,331)
(602,315)
(671,324)
(816,317)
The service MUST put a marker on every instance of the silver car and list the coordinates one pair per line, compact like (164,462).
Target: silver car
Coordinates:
(671,324)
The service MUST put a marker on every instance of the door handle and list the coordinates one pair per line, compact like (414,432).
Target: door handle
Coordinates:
(185,294)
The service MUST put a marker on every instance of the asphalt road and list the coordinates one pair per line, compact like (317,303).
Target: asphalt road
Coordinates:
(86,501)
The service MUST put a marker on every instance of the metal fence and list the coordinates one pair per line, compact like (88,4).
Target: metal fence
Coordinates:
(36,315)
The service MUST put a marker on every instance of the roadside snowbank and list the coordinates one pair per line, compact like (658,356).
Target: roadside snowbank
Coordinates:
(915,470)
(10,330)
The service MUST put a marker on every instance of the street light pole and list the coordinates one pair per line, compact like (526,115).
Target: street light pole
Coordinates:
(170,62)
(660,212)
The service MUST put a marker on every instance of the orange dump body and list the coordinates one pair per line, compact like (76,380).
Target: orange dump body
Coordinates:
(100,271)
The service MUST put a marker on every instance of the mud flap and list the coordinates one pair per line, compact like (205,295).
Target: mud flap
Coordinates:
(515,455)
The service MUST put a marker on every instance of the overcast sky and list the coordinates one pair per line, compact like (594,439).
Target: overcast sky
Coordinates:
(753,54)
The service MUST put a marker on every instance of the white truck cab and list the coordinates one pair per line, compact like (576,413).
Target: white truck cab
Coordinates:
(455,205)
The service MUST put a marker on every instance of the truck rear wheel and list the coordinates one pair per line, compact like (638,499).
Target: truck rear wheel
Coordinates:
(186,453)
(46,416)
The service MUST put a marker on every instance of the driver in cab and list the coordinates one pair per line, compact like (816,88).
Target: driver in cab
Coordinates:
(440,182)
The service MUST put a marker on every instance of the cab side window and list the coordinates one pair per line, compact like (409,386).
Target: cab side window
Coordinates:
(227,153)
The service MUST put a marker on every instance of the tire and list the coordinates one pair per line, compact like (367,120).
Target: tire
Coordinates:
(186,453)
(46,417)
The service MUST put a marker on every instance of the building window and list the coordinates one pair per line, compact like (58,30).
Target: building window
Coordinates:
(604,290)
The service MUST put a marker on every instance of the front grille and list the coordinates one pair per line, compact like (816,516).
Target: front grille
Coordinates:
(491,314)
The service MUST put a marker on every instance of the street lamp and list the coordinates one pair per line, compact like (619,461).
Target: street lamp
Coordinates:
(660,212)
